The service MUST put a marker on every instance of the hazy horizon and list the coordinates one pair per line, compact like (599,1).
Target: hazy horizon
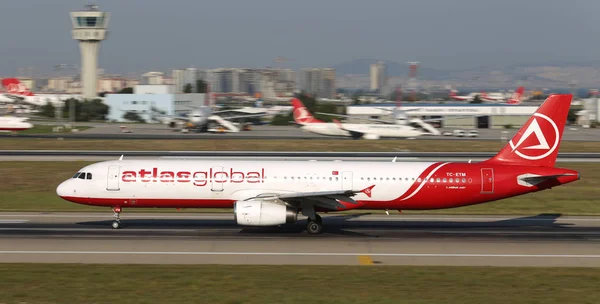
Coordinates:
(158,35)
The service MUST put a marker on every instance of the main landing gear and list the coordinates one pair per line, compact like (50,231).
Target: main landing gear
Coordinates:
(116,224)
(314,226)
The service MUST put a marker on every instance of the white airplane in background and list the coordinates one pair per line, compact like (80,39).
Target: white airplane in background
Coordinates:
(275,192)
(204,119)
(18,92)
(366,131)
(515,99)
(400,117)
(12,124)
(469,97)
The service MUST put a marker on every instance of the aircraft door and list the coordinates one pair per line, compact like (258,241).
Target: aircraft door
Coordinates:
(347,180)
(218,179)
(112,179)
(487,180)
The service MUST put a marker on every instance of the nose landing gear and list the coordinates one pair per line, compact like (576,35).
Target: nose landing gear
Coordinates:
(116,224)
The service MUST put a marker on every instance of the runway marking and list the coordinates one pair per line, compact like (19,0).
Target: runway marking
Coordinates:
(374,216)
(238,228)
(437,255)
(13,221)
(365,260)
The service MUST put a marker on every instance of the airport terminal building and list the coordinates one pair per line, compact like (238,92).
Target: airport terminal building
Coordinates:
(470,116)
(151,106)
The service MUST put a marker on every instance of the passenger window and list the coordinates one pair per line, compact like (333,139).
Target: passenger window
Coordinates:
(464,180)
(89,176)
(419,179)
(444,180)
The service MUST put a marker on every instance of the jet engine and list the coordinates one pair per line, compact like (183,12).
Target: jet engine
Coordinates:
(371,136)
(263,213)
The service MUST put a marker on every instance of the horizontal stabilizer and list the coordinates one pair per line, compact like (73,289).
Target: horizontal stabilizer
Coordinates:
(530,180)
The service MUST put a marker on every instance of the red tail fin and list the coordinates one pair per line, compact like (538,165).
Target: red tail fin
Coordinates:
(301,114)
(517,95)
(14,86)
(537,142)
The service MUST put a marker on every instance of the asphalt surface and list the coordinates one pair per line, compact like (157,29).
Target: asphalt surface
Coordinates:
(157,131)
(376,239)
(76,157)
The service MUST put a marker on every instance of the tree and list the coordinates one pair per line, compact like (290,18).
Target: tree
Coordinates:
(86,110)
(127,90)
(48,110)
(187,88)
(201,86)
(133,116)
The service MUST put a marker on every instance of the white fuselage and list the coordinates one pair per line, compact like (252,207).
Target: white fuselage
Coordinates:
(10,123)
(369,130)
(217,184)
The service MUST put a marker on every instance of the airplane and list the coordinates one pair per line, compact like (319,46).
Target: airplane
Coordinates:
(204,119)
(18,92)
(469,97)
(275,192)
(514,99)
(12,124)
(400,117)
(309,123)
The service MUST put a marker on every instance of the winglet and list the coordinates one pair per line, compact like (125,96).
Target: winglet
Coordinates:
(368,191)
(121,158)
(394,160)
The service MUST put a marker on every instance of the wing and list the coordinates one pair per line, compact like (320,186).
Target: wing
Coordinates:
(242,116)
(324,199)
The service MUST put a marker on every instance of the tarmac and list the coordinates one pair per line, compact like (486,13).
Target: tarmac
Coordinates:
(158,131)
(348,239)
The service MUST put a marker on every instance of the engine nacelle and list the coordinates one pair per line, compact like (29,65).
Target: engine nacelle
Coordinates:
(261,213)
(371,136)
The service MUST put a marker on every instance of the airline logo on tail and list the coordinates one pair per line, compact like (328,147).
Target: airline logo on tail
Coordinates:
(14,86)
(301,114)
(533,143)
(517,95)
(537,142)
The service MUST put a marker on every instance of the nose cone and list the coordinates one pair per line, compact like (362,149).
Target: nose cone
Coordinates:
(63,190)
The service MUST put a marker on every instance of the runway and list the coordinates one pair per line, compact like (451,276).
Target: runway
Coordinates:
(158,131)
(348,239)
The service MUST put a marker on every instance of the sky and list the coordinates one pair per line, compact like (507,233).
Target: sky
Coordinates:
(162,35)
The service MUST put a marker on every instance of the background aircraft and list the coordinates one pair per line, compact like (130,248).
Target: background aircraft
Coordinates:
(204,119)
(10,123)
(18,92)
(366,131)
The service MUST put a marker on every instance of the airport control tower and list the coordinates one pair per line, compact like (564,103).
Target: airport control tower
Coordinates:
(89,27)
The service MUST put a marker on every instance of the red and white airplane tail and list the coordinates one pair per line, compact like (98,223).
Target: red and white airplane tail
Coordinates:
(301,113)
(537,142)
(15,87)
(517,96)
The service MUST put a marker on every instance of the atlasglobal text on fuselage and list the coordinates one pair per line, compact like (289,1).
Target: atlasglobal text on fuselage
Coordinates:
(268,193)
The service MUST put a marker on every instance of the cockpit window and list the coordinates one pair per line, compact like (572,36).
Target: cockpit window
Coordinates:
(89,176)
(81,176)
(76,175)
